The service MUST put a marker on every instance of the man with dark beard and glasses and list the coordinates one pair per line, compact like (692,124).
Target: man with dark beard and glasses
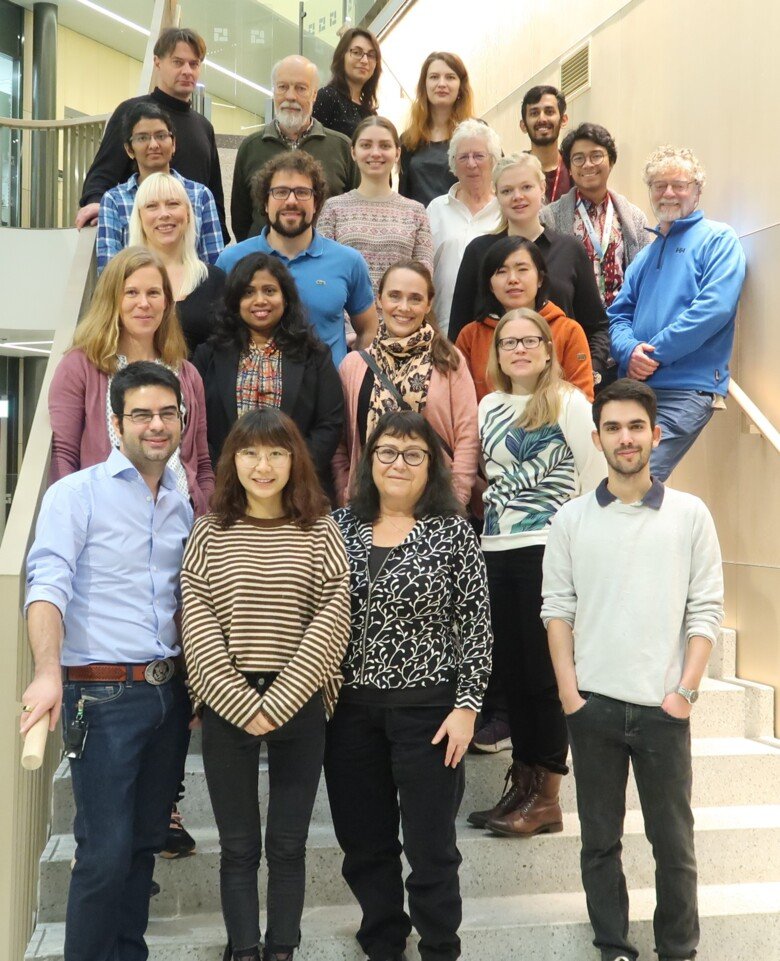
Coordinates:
(331,278)
(632,603)
(295,84)
(542,114)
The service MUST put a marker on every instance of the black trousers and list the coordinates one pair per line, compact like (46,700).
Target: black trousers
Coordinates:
(231,760)
(607,735)
(521,658)
(383,772)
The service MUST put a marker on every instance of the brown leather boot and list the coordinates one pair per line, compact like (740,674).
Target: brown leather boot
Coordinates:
(540,814)
(521,777)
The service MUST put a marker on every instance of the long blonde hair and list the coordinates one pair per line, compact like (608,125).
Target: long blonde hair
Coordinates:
(161,187)
(418,133)
(544,407)
(97,335)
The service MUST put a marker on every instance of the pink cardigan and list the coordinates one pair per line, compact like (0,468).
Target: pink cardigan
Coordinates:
(451,409)
(77,411)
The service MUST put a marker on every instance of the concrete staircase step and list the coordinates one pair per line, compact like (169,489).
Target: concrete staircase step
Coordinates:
(723,659)
(730,846)
(724,706)
(738,921)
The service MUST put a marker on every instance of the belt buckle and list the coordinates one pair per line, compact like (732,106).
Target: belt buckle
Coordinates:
(160,671)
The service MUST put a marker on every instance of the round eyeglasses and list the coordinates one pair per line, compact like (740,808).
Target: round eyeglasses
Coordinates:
(250,457)
(413,456)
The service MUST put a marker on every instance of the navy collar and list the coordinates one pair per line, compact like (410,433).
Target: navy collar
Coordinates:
(652,499)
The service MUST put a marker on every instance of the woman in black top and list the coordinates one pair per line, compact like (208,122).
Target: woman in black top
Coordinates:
(163,221)
(415,671)
(350,95)
(443,99)
(520,184)
(264,353)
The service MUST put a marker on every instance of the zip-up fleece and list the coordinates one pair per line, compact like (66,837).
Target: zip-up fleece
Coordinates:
(680,294)
(425,618)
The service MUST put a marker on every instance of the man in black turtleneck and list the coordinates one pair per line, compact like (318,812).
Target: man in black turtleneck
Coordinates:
(178,55)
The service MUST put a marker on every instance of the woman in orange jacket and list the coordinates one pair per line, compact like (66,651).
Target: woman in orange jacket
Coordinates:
(513,274)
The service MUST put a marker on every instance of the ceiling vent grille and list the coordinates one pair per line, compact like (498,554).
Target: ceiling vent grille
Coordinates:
(575,72)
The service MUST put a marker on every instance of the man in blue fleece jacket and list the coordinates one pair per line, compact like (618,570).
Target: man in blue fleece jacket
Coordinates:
(672,324)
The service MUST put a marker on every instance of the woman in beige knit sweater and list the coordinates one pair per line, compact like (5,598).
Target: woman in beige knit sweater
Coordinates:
(265,586)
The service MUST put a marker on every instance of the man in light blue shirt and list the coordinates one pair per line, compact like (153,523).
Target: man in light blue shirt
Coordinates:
(332,279)
(102,599)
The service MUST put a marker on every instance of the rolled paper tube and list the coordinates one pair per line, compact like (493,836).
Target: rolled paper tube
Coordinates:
(35,744)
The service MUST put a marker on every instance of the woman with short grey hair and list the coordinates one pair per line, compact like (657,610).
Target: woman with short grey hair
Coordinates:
(469,210)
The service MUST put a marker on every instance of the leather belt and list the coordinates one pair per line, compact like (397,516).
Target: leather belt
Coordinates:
(155,672)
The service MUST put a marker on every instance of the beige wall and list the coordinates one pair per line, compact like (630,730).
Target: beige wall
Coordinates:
(93,79)
(661,72)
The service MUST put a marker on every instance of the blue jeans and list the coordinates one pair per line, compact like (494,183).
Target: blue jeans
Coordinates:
(605,735)
(123,785)
(682,416)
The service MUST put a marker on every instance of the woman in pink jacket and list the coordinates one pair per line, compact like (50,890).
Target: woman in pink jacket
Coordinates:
(409,366)
(132,317)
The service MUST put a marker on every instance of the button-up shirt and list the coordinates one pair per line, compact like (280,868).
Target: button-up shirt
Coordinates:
(117,205)
(453,227)
(108,555)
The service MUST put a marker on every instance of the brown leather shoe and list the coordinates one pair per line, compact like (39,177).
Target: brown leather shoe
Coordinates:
(521,777)
(539,814)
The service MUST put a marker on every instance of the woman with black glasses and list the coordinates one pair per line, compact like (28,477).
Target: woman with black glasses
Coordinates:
(415,671)
(350,95)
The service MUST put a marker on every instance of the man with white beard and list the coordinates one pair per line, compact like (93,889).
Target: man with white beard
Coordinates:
(295,84)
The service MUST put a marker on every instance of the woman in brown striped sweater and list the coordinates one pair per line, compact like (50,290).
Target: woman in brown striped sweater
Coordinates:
(266,620)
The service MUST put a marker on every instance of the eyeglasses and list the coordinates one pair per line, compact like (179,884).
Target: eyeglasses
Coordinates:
(142,139)
(168,415)
(413,456)
(282,193)
(478,158)
(678,186)
(595,157)
(250,457)
(510,343)
(357,53)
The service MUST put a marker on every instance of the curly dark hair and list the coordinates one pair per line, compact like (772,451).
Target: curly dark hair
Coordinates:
(296,161)
(437,500)
(589,131)
(302,497)
(487,302)
(294,335)
(339,77)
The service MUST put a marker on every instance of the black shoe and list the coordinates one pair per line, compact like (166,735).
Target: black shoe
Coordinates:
(154,890)
(179,843)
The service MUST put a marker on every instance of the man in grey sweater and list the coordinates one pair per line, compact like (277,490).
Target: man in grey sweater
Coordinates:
(633,601)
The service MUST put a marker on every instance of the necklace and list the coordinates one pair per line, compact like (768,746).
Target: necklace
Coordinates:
(396,528)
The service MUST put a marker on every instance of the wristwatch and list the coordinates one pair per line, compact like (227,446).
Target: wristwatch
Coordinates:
(690,696)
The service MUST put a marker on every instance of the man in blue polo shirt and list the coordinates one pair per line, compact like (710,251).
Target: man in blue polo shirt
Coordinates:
(331,278)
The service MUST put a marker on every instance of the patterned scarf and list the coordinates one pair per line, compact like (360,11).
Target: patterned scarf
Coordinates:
(407,362)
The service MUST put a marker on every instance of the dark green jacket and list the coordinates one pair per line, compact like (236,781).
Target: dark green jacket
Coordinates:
(332,149)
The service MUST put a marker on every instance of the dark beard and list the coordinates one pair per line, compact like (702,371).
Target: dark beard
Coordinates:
(285,231)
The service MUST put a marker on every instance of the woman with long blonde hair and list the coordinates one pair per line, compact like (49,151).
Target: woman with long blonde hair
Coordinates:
(535,430)
(442,101)
(163,220)
(132,317)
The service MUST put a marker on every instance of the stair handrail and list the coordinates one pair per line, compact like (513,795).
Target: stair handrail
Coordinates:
(25,797)
(754,413)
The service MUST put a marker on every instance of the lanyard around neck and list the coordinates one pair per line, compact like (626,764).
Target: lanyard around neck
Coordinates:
(602,246)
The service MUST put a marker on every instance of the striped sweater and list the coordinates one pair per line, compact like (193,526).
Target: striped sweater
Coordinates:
(264,596)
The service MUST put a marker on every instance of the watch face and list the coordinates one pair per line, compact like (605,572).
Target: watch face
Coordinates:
(694,697)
